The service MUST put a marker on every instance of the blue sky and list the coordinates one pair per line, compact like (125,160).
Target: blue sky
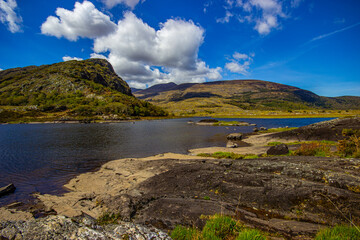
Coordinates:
(311,44)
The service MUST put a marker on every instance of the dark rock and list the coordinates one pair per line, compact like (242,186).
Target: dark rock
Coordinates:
(234,136)
(280,149)
(290,195)
(255,129)
(327,130)
(7,189)
(208,120)
(263,128)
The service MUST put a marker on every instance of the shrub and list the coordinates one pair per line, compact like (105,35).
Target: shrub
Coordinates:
(338,233)
(219,227)
(350,145)
(108,218)
(313,149)
(251,234)
(185,233)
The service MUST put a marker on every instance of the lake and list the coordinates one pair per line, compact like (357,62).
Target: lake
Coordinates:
(43,157)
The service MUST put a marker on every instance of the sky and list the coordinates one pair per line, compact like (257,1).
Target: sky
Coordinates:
(310,44)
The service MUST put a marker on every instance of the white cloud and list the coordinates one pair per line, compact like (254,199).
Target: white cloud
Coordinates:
(143,56)
(113,3)
(9,17)
(84,21)
(265,14)
(240,63)
(67,58)
(225,19)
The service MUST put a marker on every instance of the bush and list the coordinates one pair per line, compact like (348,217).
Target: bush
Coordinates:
(185,233)
(251,234)
(338,233)
(350,145)
(219,227)
(313,149)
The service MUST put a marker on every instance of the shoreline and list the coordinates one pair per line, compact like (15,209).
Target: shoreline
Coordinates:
(180,117)
(117,176)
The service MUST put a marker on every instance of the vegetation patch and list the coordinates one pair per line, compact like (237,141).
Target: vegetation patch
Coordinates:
(350,145)
(313,149)
(228,155)
(109,218)
(273,130)
(338,233)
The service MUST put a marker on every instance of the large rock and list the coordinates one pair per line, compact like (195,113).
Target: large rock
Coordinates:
(280,149)
(234,136)
(84,227)
(231,144)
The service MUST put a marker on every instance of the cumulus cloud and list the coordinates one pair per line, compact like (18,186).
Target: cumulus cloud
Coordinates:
(140,54)
(112,3)
(9,17)
(264,14)
(240,63)
(67,58)
(84,21)
(144,56)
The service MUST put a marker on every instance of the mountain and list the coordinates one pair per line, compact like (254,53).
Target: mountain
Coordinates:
(69,90)
(240,95)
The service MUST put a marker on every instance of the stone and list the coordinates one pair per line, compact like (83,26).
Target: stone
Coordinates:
(7,189)
(234,136)
(255,129)
(263,128)
(231,144)
(280,149)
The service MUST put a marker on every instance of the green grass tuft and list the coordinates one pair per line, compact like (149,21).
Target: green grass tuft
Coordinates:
(251,234)
(185,233)
(220,227)
(338,233)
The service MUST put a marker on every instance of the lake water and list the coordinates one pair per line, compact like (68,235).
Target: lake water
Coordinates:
(43,157)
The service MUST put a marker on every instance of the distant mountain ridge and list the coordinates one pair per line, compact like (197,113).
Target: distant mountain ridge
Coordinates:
(242,94)
(69,90)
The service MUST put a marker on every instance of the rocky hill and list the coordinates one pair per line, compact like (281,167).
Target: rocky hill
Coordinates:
(241,94)
(68,90)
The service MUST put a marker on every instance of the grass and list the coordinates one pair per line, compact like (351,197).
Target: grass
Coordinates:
(109,218)
(273,130)
(313,149)
(339,232)
(185,233)
(217,227)
(251,234)
(228,155)
(324,142)
(220,227)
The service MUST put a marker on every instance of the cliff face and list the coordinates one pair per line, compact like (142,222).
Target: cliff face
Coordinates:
(68,89)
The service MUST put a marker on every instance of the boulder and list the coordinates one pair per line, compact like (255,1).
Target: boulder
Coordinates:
(7,189)
(281,149)
(255,129)
(234,136)
(231,144)
(263,128)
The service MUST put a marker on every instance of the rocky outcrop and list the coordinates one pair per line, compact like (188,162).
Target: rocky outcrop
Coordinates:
(234,136)
(289,195)
(327,130)
(280,149)
(83,227)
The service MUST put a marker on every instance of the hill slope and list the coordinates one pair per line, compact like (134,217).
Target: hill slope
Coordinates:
(69,90)
(237,95)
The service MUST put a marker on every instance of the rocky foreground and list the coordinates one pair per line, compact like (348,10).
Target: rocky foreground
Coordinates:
(294,196)
(289,195)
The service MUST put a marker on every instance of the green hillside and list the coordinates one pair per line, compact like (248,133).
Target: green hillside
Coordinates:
(72,90)
(238,96)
